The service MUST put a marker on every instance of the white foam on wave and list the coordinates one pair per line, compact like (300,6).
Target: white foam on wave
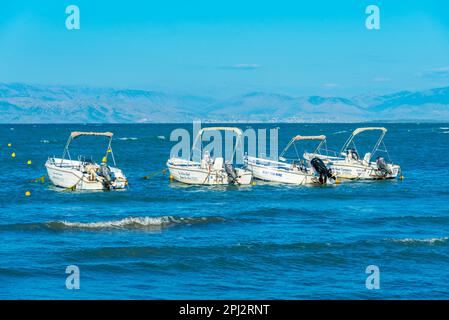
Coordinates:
(134,222)
(425,240)
(444,128)
(128,138)
(45,141)
(123,223)
(338,132)
(161,137)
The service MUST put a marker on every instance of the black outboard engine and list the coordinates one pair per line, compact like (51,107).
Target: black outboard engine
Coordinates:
(105,172)
(320,168)
(232,173)
(382,166)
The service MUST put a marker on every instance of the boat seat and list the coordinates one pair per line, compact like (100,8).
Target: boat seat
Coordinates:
(218,163)
(367,158)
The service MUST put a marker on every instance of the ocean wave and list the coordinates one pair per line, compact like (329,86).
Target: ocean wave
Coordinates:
(275,212)
(128,138)
(126,223)
(45,141)
(235,249)
(204,250)
(161,137)
(444,128)
(338,132)
(421,241)
(408,219)
(12,272)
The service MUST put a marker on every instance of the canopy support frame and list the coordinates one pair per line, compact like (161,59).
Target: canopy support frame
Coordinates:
(72,137)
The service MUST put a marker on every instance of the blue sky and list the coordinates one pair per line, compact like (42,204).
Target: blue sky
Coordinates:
(224,48)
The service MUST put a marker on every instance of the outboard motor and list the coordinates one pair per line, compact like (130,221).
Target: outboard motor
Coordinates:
(382,166)
(105,172)
(320,168)
(231,172)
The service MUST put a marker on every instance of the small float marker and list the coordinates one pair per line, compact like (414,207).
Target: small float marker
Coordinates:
(27,193)
(9,145)
(171,177)
(29,162)
(13,154)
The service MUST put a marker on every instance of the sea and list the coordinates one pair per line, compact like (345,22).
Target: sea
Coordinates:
(160,239)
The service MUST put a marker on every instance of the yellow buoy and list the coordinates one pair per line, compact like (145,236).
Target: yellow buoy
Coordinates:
(401,178)
(337,181)
(9,145)
(13,154)
(27,193)
(104,160)
(29,162)
(253,183)
(171,177)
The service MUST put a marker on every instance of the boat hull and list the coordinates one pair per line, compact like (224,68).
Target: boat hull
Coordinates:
(352,171)
(71,177)
(279,174)
(193,174)
(347,169)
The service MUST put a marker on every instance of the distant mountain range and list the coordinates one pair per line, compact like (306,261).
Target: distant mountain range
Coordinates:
(23,103)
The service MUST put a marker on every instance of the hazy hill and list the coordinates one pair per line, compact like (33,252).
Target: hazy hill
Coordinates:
(22,103)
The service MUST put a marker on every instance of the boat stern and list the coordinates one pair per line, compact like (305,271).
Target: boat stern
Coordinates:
(120,180)
(395,171)
(244,176)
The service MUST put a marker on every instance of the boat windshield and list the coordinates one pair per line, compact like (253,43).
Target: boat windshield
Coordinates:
(299,145)
(214,142)
(91,148)
(366,144)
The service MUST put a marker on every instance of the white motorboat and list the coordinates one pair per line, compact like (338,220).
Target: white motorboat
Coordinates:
(84,174)
(349,165)
(211,170)
(293,171)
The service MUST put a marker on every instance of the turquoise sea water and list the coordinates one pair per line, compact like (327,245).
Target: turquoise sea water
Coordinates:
(166,240)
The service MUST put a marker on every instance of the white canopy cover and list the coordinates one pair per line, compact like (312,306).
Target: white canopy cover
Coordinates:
(77,134)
